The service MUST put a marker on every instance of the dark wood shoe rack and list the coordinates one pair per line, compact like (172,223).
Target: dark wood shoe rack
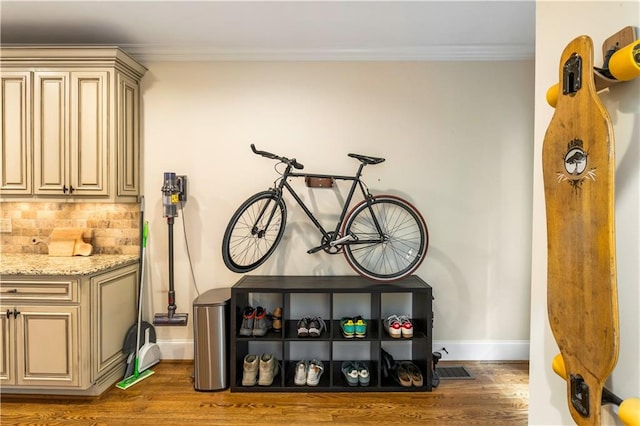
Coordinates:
(332,297)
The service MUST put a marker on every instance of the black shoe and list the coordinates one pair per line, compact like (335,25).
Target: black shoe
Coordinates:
(435,357)
(388,364)
(303,327)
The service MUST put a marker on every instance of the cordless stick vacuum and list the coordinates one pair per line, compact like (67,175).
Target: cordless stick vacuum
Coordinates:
(173,192)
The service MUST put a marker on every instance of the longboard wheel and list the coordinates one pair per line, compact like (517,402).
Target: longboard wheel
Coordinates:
(558,366)
(552,95)
(624,65)
(629,412)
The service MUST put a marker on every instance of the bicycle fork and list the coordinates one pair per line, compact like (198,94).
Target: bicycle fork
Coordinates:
(261,231)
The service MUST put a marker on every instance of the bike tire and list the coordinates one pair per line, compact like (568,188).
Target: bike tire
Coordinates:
(245,246)
(406,238)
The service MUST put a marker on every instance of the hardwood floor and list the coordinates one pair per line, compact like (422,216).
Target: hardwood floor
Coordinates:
(498,395)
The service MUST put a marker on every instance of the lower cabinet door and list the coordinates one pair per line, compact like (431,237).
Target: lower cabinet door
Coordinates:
(47,346)
(7,347)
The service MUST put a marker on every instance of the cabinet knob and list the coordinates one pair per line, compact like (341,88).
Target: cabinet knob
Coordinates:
(16,313)
(8,313)
(64,188)
(71,189)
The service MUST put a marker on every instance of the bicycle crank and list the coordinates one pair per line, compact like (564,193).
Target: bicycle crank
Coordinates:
(329,246)
(344,239)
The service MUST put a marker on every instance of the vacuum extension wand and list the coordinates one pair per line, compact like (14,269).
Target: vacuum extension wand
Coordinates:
(173,192)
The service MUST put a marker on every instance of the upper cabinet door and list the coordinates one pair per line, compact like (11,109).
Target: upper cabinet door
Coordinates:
(51,132)
(15,125)
(128,145)
(88,153)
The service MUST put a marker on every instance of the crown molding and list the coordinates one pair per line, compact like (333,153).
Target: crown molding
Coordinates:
(158,53)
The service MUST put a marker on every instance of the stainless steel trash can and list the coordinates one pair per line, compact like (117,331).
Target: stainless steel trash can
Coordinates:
(211,340)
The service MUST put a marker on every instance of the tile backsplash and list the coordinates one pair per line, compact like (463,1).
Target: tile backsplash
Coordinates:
(110,228)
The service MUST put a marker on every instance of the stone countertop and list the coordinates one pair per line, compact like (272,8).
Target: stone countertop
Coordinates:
(42,264)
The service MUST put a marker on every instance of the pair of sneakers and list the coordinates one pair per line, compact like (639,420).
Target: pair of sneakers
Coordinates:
(311,327)
(308,372)
(356,373)
(259,369)
(255,322)
(351,327)
(399,326)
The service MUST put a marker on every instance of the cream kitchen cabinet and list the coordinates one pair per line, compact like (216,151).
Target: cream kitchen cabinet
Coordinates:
(64,334)
(70,132)
(15,123)
(70,124)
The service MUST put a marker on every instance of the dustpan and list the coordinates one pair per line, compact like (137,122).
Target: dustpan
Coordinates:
(149,353)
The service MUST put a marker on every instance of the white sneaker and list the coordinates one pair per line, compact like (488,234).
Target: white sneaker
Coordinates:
(315,371)
(268,369)
(300,377)
(406,326)
(393,326)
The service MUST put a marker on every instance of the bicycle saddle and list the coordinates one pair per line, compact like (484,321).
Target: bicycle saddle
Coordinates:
(366,159)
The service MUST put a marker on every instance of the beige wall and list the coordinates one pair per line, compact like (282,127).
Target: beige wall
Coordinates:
(458,138)
(547,405)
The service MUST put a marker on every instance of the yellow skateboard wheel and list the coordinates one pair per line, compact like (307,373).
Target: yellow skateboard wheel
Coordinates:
(625,63)
(552,95)
(558,366)
(629,412)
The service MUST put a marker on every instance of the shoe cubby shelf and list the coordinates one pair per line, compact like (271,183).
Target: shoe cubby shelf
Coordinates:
(332,298)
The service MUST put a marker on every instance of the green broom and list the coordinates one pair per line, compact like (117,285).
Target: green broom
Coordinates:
(137,376)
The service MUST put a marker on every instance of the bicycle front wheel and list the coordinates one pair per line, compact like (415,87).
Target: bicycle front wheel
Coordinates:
(391,238)
(254,232)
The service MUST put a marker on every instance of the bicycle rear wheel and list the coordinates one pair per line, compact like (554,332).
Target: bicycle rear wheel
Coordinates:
(401,248)
(254,232)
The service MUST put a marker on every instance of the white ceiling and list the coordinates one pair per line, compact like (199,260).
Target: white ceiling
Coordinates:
(281,30)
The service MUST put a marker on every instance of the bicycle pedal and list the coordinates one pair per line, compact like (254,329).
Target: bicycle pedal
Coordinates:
(317,249)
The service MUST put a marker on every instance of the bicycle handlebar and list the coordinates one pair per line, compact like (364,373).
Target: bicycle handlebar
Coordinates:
(291,162)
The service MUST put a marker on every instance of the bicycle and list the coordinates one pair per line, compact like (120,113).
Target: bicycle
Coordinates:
(383,237)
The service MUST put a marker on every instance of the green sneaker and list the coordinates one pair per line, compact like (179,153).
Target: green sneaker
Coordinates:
(360,327)
(348,327)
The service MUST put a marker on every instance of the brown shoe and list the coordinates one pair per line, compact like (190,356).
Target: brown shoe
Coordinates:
(402,375)
(414,373)
(277,320)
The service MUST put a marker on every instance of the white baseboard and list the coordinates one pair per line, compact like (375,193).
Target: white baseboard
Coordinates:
(459,350)
(180,349)
(482,350)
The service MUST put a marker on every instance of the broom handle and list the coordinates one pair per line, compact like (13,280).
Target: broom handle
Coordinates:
(145,231)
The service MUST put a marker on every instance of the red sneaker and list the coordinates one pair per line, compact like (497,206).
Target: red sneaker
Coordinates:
(406,326)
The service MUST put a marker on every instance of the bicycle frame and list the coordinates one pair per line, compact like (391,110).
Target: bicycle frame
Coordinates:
(331,240)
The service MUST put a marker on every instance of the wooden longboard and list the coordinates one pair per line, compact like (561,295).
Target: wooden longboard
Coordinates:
(578,169)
